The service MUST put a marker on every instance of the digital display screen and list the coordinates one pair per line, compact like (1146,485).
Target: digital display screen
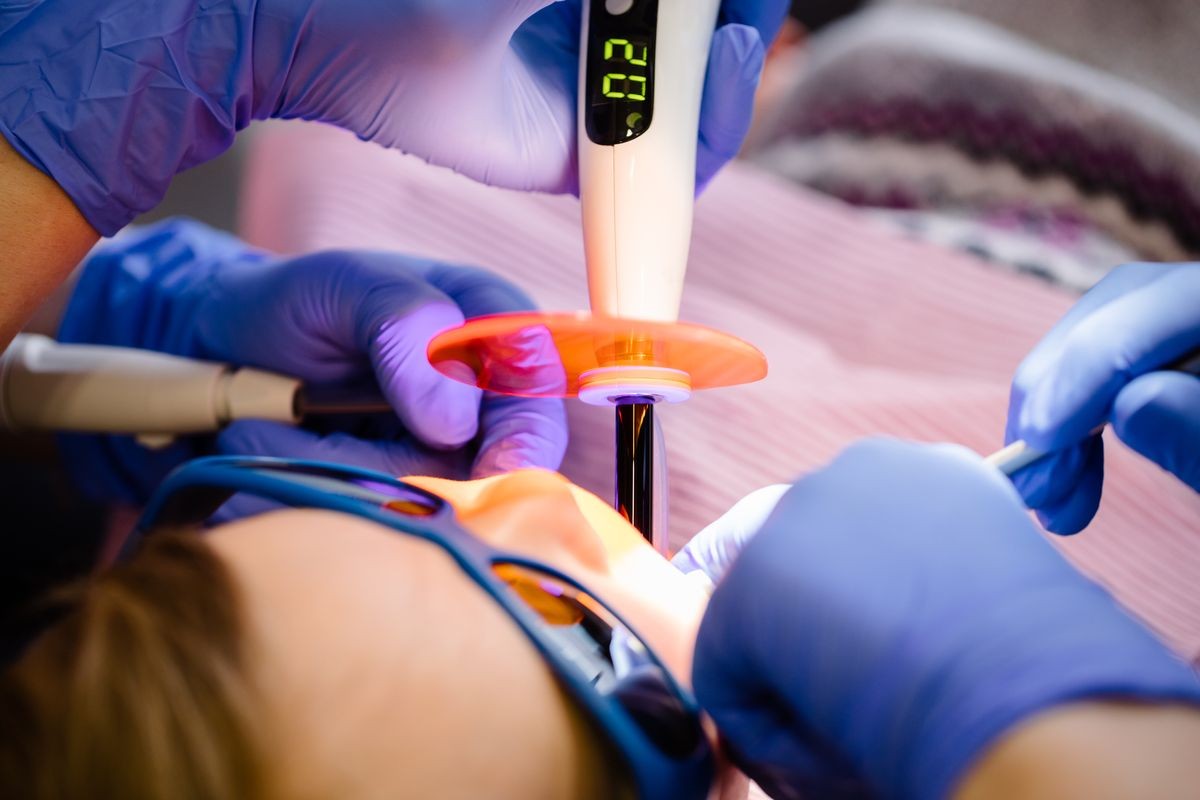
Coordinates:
(620,72)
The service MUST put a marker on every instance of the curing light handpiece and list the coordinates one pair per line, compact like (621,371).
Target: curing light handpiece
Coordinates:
(640,83)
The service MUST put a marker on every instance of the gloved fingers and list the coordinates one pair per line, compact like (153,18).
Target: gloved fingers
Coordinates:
(761,733)
(398,458)
(476,291)
(441,412)
(734,66)
(1064,486)
(1073,507)
(1158,415)
(505,17)
(333,316)
(554,29)
(520,9)
(1052,478)
(766,748)
(1141,317)
(756,730)
(1040,360)
(714,549)
(459,22)
(520,432)
(517,432)
(850,488)
(765,15)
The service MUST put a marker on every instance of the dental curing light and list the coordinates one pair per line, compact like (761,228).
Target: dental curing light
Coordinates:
(641,78)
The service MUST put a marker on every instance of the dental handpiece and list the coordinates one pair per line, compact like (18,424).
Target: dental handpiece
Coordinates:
(48,386)
(1019,455)
(641,78)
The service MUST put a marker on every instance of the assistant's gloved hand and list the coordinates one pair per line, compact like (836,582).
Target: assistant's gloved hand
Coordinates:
(335,317)
(897,612)
(113,98)
(713,550)
(1099,364)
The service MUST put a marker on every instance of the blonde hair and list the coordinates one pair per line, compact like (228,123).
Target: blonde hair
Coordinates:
(139,691)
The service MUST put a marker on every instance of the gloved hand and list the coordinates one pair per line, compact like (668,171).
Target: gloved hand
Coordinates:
(112,98)
(897,613)
(336,317)
(713,550)
(1099,364)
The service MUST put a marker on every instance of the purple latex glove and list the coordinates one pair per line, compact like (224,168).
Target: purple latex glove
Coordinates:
(1102,364)
(113,98)
(336,317)
(897,612)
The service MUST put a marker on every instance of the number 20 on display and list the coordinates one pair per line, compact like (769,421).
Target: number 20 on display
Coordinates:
(624,85)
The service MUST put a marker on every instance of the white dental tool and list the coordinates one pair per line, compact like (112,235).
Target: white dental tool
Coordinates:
(48,386)
(641,78)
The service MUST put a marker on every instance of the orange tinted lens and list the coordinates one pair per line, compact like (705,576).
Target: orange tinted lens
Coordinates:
(555,608)
(409,508)
(555,355)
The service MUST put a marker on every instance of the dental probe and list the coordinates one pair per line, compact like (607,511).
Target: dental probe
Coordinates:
(1019,455)
(641,76)
(48,386)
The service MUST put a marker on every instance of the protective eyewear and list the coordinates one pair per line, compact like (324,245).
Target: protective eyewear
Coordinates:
(653,723)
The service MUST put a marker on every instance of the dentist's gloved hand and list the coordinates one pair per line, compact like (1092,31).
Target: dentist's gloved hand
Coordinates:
(1099,364)
(335,317)
(896,614)
(113,98)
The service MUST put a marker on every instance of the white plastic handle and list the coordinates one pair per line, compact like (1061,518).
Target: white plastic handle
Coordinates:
(638,196)
(45,385)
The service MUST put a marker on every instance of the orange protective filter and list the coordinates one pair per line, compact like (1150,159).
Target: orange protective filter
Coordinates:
(558,354)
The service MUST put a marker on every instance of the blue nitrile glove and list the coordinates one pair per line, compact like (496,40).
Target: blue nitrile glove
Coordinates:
(336,317)
(1100,364)
(896,614)
(113,98)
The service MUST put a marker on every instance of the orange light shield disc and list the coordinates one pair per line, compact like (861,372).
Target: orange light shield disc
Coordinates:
(597,359)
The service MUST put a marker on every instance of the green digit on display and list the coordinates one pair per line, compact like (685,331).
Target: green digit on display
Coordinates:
(641,94)
(607,89)
(626,55)
(609,44)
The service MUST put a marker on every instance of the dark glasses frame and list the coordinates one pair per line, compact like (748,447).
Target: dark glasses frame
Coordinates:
(661,761)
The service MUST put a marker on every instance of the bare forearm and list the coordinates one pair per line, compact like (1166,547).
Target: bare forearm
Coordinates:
(42,238)
(1096,750)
